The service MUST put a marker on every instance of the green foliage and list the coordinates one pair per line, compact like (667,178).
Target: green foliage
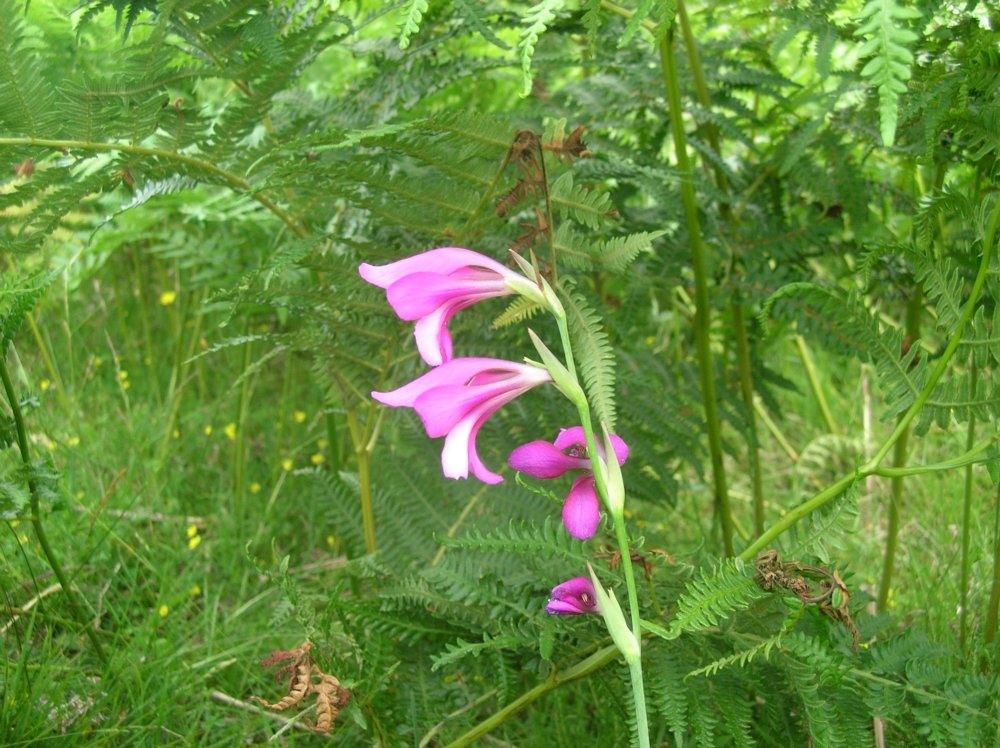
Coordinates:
(714,596)
(535,22)
(887,45)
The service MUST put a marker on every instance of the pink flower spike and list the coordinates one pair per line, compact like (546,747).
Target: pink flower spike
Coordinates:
(581,510)
(573,597)
(431,287)
(456,398)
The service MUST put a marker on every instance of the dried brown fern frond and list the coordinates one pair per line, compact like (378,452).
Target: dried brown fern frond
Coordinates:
(307,679)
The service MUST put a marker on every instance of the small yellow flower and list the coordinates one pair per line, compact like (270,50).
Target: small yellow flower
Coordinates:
(192,530)
(147,361)
(168,297)
(195,591)
(164,611)
(317,459)
(73,441)
(176,434)
(44,385)
(255,487)
(194,542)
(323,443)
(80,495)
(51,446)
(330,540)
(299,416)
(230,430)
(126,385)
(98,360)
(287,464)
(208,431)
(123,375)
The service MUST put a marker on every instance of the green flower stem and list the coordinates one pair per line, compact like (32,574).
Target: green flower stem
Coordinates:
(601,483)
(363,456)
(36,514)
(702,319)
(814,384)
(963,590)
(235,182)
(869,468)
(239,444)
(582,669)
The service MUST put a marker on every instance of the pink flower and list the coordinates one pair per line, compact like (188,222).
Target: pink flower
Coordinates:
(432,287)
(573,597)
(456,398)
(581,510)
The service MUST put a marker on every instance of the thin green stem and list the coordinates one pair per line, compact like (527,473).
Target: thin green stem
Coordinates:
(239,443)
(582,669)
(36,513)
(746,390)
(234,181)
(963,589)
(621,535)
(914,307)
(869,468)
(363,456)
(814,384)
(702,319)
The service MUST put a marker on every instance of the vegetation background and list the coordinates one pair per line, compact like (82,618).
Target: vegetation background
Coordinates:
(774,227)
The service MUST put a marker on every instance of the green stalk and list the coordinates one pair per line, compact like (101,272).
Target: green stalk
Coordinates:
(702,319)
(621,535)
(963,590)
(363,456)
(872,466)
(814,384)
(913,309)
(582,669)
(746,389)
(239,445)
(36,514)
(990,625)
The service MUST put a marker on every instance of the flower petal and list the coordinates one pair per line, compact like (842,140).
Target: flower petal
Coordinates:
(457,371)
(573,597)
(432,336)
(575,437)
(581,511)
(444,260)
(419,294)
(542,460)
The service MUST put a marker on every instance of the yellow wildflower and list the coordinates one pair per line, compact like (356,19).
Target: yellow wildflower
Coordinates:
(195,591)
(168,297)
(194,542)
(164,611)
(44,385)
(208,431)
(287,464)
(192,530)
(230,430)
(255,487)
(299,416)
(317,459)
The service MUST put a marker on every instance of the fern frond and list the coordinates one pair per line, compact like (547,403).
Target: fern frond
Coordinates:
(887,45)
(714,596)
(412,15)
(536,21)
(594,355)
(25,96)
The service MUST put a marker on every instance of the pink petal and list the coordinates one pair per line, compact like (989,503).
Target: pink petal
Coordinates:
(419,294)
(457,371)
(575,437)
(581,511)
(444,260)
(433,338)
(542,460)
(460,448)
(443,407)
(573,597)
(571,437)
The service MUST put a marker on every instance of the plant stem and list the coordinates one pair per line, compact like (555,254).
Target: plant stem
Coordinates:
(913,309)
(702,319)
(239,443)
(36,513)
(833,491)
(746,389)
(814,384)
(585,667)
(363,456)
(963,590)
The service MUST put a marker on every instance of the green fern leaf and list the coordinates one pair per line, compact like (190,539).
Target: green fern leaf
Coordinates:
(889,68)
(537,20)
(594,356)
(25,97)
(714,596)
(413,14)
